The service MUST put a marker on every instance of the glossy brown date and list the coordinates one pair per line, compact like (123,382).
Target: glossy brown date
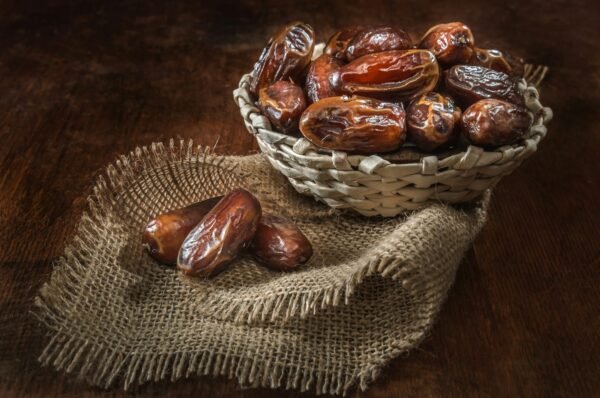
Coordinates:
(164,234)
(338,43)
(492,59)
(318,80)
(469,84)
(356,124)
(396,75)
(283,103)
(286,56)
(221,235)
(451,43)
(280,244)
(375,40)
(492,122)
(431,120)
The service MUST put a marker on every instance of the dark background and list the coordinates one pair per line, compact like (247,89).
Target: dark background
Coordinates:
(81,82)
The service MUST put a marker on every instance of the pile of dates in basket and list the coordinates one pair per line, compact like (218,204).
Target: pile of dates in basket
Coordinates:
(204,238)
(374,88)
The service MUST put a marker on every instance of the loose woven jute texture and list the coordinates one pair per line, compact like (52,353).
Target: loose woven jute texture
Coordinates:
(370,292)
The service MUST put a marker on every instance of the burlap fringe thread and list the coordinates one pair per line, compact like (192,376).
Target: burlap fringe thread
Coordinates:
(102,365)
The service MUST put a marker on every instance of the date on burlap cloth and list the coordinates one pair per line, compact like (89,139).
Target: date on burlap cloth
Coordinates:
(370,292)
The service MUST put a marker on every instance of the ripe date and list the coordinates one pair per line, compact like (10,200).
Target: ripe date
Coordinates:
(356,124)
(431,120)
(286,56)
(492,59)
(375,40)
(221,235)
(165,233)
(451,43)
(396,75)
(318,80)
(280,244)
(338,43)
(469,84)
(492,122)
(283,102)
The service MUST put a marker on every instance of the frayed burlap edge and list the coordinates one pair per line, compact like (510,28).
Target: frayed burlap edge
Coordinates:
(101,366)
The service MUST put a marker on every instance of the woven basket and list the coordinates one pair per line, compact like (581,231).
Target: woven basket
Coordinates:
(387,185)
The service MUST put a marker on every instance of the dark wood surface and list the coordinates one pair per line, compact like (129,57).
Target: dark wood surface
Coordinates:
(81,82)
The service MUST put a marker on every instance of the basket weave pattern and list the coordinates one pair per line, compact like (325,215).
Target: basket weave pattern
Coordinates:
(373,185)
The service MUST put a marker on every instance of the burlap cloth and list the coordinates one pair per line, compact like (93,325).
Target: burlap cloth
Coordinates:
(370,293)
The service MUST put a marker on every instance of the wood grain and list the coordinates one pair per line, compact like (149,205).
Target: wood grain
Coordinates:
(82,81)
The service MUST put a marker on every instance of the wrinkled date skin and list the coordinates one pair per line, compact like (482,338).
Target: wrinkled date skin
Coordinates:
(286,56)
(283,103)
(375,40)
(451,43)
(469,84)
(338,43)
(492,59)
(492,122)
(164,235)
(431,120)
(280,244)
(227,229)
(357,124)
(398,75)
(318,80)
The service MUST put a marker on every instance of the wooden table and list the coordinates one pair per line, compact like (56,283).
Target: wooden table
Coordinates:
(81,83)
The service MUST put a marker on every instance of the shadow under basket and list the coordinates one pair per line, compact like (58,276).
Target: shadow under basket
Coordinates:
(387,185)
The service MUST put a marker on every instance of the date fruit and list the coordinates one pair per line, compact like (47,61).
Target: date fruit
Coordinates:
(164,234)
(431,120)
(469,84)
(286,56)
(375,40)
(338,43)
(318,80)
(399,75)
(492,59)
(227,229)
(356,124)
(451,43)
(283,103)
(492,122)
(280,244)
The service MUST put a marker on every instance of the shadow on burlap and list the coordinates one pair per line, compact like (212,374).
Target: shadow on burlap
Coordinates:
(370,292)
